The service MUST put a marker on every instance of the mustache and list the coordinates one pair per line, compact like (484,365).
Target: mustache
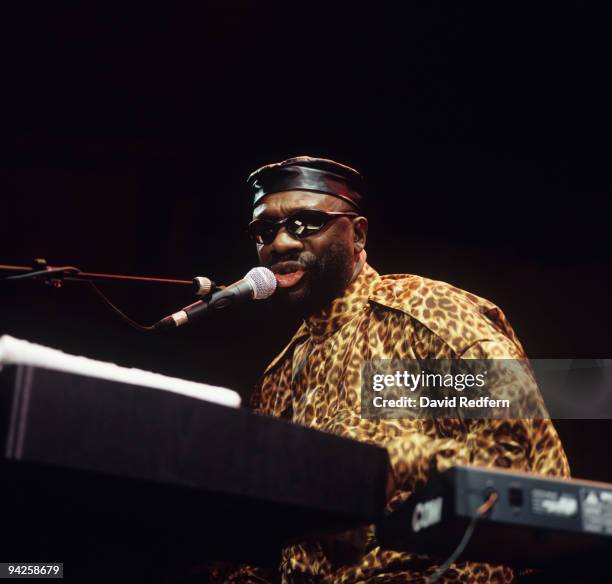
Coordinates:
(305,259)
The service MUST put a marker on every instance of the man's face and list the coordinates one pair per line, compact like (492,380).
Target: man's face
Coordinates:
(312,271)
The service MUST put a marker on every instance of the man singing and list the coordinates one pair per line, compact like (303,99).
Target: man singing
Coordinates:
(309,229)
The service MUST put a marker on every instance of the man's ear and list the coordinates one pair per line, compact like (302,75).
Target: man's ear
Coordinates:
(360,231)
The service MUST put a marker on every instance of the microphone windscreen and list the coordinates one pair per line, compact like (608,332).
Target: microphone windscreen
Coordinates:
(263,282)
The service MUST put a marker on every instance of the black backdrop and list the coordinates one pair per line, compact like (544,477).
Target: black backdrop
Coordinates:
(482,128)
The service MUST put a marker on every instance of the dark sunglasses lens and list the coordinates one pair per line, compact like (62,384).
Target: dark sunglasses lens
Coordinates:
(263,231)
(306,223)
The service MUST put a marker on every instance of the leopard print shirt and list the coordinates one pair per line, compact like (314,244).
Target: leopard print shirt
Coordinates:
(316,382)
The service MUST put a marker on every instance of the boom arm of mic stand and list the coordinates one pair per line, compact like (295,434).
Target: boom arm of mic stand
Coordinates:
(55,276)
(73,273)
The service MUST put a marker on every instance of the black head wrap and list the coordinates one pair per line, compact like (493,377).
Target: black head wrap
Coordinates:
(305,173)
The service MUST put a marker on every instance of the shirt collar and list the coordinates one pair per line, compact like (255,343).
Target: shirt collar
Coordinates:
(342,309)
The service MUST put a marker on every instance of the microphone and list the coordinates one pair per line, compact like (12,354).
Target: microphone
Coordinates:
(258,284)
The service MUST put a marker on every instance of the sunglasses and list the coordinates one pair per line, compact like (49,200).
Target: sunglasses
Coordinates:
(299,225)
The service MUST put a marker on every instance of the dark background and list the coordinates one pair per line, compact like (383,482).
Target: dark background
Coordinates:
(483,129)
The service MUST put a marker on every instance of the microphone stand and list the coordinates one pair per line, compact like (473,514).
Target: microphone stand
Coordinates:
(56,276)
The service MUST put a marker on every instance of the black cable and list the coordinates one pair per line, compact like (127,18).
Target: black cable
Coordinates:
(109,304)
(480,512)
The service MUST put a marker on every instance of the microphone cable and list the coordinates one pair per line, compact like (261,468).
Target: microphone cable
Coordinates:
(122,315)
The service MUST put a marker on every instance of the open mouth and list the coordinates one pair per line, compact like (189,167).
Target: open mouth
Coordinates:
(288,274)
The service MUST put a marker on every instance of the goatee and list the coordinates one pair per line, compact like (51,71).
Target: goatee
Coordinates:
(325,278)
